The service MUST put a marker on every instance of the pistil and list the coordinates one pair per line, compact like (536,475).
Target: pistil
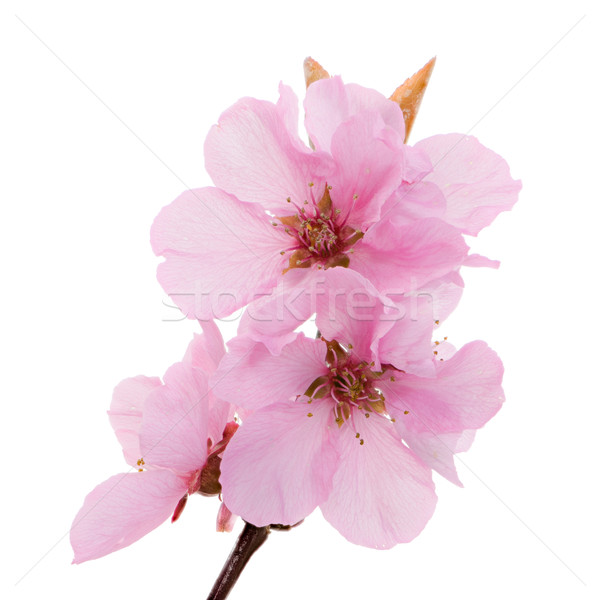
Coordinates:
(320,238)
(350,385)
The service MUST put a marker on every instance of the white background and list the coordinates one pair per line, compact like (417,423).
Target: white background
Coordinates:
(103,123)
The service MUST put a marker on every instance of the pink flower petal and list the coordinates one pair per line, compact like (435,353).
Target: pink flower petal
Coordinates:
(125,413)
(476,181)
(365,99)
(122,510)
(220,253)
(273,318)
(250,376)
(175,426)
(206,351)
(252,155)
(287,109)
(225,519)
(329,103)
(476,260)
(437,450)
(416,164)
(369,167)
(443,295)
(278,466)
(382,494)
(402,259)
(350,311)
(411,202)
(407,344)
(465,394)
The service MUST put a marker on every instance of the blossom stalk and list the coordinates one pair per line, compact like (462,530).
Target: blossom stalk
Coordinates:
(250,540)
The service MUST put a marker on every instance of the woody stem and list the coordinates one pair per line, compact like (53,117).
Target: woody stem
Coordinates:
(250,540)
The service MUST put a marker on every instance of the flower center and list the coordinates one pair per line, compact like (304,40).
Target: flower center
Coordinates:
(321,237)
(351,385)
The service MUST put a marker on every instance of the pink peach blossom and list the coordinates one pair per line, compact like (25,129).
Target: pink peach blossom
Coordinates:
(171,433)
(357,437)
(356,201)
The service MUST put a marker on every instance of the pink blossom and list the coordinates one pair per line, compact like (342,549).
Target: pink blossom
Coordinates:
(357,437)
(171,433)
(362,200)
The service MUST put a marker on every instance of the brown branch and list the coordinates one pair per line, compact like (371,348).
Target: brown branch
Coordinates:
(250,540)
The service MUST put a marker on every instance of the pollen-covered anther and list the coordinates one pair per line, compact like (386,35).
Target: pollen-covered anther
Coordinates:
(321,238)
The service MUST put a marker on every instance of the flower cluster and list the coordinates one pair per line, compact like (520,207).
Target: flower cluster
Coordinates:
(366,234)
